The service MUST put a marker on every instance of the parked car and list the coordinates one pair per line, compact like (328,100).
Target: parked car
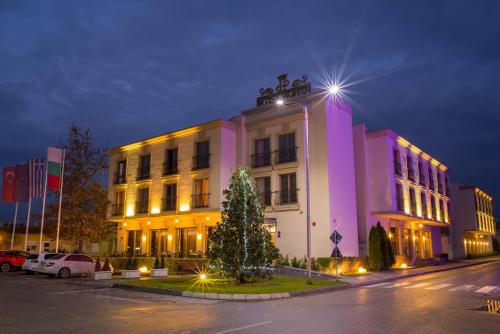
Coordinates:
(12,260)
(66,265)
(32,262)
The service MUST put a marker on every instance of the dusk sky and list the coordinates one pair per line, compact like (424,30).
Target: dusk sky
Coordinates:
(429,70)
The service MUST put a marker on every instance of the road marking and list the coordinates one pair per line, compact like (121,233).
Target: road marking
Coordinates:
(486,289)
(376,285)
(244,327)
(437,287)
(463,287)
(418,285)
(395,285)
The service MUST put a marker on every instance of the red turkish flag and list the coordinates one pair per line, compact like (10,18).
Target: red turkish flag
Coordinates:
(9,176)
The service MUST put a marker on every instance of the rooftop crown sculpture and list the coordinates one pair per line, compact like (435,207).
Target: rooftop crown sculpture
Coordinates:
(269,95)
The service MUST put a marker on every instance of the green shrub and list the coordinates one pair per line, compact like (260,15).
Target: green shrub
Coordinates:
(135,264)
(162,263)
(157,263)
(120,263)
(346,265)
(380,253)
(97,264)
(128,265)
(295,262)
(106,266)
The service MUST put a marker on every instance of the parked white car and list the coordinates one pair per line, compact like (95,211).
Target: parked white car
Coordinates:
(66,265)
(32,262)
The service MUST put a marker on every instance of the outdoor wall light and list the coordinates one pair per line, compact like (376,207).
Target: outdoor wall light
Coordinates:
(199,236)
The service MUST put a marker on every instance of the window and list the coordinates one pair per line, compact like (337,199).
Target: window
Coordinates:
(121,172)
(394,237)
(134,243)
(430,173)
(119,203)
(186,242)
(287,151)
(409,167)
(399,197)
(447,185)
(170,197)
(202,155)
(441,209)
(200,193)
(421,176)
(262,156)
(263,185)
(288,189)
(46,246)
(413,202)
(433,206)
(170,164)
(142,200)
(397,162)
(423,201)
(143,172)
(159,243)
(440,183)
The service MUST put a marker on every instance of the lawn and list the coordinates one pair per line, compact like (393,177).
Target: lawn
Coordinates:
(216,285)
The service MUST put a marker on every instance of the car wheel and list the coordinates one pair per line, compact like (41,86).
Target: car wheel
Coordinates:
(64,272)
(5,267)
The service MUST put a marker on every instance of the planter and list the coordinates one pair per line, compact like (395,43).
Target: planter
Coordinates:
(98,275)
(159,272)
(131,274)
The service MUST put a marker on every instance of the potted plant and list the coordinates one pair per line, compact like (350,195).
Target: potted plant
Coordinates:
(159,269)
(131,269)
(104,272)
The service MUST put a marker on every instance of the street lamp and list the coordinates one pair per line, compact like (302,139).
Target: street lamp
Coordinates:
(332,91)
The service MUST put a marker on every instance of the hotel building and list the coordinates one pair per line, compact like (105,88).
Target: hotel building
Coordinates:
(473,220)
(166,191)
(403,188)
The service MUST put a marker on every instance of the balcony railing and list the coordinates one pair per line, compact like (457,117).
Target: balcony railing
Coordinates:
(411,175)
(169,204)
(265,198)
(169,169)
(283,197)
(142,206)
(261,159)
(421,179)
(117,209)
(201,161)
(285,155)
(143,173)
(199,200)
(119,178)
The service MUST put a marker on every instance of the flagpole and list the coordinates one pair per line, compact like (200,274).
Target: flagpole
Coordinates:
(60,201)
(27,226)
(14,228)
(43,207)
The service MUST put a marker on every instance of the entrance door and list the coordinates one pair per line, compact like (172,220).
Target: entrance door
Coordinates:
(186,242)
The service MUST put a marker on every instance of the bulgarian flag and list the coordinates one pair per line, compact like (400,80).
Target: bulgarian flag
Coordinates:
(54,167)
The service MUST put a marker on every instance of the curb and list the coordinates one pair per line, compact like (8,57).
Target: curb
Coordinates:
(275,296)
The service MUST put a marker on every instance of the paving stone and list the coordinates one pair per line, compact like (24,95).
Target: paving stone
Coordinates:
(212,295)
(239,296)
(276,296)
(225,296)
(252,296)
(198,295)
(264,296)
(187,294)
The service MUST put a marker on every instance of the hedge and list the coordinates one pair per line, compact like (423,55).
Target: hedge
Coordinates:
(346,265)
(119,263)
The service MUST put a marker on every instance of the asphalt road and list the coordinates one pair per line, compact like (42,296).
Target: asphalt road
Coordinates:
(446,302)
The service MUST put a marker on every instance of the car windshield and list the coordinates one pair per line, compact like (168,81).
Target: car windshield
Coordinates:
(51,256)
(32,257)
(57,256)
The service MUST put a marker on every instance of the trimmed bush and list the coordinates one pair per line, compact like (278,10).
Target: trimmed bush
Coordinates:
(135,264)
(128,265)
(120,263)
(162,263)
(106,266)
(97,264)
(157,263)
(380,253)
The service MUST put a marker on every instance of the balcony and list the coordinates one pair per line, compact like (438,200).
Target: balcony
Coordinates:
(169,204)
(284,197)
(119,178)
(199,201)
(117,210)
(421,179)
(261,159)
(265,198)
(286,155)
(142,206)
(201,161)
(169,169)
(143,174)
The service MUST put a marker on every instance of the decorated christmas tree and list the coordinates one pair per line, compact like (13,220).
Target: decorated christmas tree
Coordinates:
(241,246)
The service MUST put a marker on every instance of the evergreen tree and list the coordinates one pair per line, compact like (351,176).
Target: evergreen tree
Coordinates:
(387,251)
(84,201)
(162,262)
(375,257)
(157,263)
(241,246)
(106,266)
(97,264)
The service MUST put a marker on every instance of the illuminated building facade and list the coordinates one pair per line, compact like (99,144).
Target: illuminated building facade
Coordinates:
(473,220)
(403,188)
